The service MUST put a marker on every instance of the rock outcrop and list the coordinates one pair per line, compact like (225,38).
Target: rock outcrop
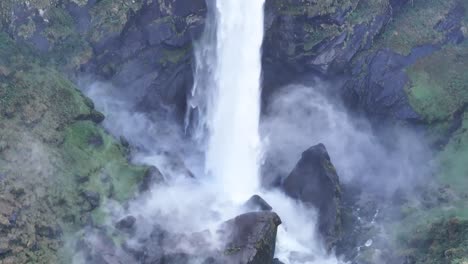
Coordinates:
(247,239)
(251,238)
(314,182)
(143,47)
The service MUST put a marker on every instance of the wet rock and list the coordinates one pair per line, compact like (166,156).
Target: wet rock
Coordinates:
(153,176)
(152,55)
(124,142)
(247,239)
(277,261)
(14,217)
(126,223)
(314,181)
(3,176)
(251,238)
(98,248)
(4,251)
(93,199)
(48,231)
(257,203)
(96,116)
(96,140)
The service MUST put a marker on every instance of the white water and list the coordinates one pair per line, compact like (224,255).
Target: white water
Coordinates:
(232,116)
(227,94)
(232,156)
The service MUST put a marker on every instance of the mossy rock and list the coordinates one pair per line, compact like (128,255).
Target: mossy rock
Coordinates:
(438,84)
(50,157)
(414,25)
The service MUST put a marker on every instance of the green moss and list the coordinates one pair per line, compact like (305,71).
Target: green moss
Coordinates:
(89,151)
(364,10)
(435,93)
(110,16)
(453,158)
(414,25)
(51,156)
(60,24)
(174,56)
(316,35)
(310,8)
(445,241)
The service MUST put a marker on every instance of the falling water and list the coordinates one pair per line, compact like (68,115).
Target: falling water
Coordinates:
(225,102)
(233,109)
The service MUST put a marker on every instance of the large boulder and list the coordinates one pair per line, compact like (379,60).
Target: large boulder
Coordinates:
(251,238)
(314,181)
(246,239)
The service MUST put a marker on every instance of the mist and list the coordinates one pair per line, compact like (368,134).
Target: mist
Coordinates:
(207,178)
(300,116)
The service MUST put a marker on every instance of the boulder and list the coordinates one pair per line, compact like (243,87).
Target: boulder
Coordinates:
(314,181)
(126,223)
(152,177)
(250,238)
(247,239)
(257,203)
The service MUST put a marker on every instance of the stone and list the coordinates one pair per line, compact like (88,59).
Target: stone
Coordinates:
(93,199)
(314,182)
(250,238)
(152,177)
(257,203)
(126,223)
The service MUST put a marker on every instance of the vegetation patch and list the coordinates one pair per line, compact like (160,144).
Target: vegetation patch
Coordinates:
(438,83)
(58,168)
(414,25)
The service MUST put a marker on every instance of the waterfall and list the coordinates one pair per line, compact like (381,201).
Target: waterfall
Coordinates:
(232,155)
(228,77)
(224,114)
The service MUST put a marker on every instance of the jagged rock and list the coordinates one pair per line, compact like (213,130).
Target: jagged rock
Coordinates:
(93,198)
(380,91)
(314,181)
(247,239)
(48,231)
(4,251)
(152,176)
(98,248)
(257,203)
(277,261)
(126,223)
(306,35)
(250,238)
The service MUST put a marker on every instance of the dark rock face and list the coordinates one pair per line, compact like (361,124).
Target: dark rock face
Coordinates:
(92,198)
(258,203)
(126,223)
(305,37)
(314,181)
(143,47)
(247,239)
(152,55)
(251,238)
(152,176)
(308,35)
(381,92)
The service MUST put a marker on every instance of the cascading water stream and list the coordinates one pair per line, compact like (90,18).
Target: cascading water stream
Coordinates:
(226,96)
(232,156)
